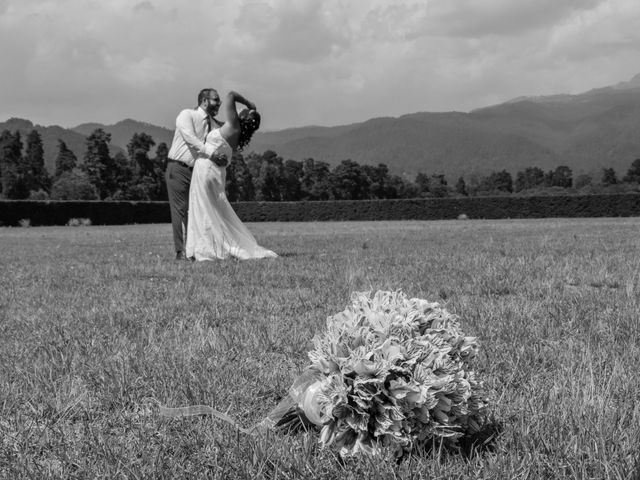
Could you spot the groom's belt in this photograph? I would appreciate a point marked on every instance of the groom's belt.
(171, 160)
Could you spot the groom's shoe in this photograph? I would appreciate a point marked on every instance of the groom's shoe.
(181, 256)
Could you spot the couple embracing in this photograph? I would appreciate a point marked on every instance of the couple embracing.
(196, 175)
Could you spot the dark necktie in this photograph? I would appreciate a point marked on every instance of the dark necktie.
(208, 129)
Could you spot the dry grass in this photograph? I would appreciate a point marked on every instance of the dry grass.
(99, 324)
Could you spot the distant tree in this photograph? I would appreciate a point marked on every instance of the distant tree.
(562, 176)
(139, 190)
(148, 181)
(269, 178)
(11, 166)
(231, 183)
(582, 181)
(36, 176)
(292, 180)
(142, 185)
(162, 156)
(159, 167)
(396, 186)
(403, 187)
(74, 185)
(239, 182)
(633, 174)
(530, 177)
(253, 161)
(98, 164)
(379, 181)
(375, 190)
(316, 180)
(66, 160)
(349, 182)
(461, 187)
(438, 186)
(422, 183)
(534, 177)
(138, 149)
(473, 184)
(495, 182)
(387, 186)
(609, 177)
(122, 176)
(123, 169)
(382, 184)
(520, 182)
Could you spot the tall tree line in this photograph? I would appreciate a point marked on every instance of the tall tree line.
(22, 172)
(139, 175)
(100, 176)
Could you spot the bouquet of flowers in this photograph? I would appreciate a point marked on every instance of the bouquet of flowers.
(388, 372)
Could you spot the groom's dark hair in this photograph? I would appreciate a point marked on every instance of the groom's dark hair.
(204, 93)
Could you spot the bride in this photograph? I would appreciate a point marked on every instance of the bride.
(214, 231)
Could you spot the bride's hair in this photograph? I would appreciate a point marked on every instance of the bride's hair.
(249, 123)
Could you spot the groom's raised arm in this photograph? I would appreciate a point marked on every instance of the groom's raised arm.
(184, 125)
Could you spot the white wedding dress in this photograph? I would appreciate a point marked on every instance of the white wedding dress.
(214, 231)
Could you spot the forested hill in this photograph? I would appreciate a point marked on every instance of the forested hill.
(589, 131)
(450, 143)
(122, 131)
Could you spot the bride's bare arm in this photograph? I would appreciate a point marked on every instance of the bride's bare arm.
(242, 100)
(231, 128)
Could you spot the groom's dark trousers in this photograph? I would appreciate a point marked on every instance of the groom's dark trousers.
(178, 178)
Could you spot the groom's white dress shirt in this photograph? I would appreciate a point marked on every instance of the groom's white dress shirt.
(188, 139)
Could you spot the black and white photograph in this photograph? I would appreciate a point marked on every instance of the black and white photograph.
(320, 239)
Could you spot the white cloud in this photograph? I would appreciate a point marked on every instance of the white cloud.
(143, 73)
(301, 31)
(470, 18)
(142, 6)
(304, 61)
(397, 22)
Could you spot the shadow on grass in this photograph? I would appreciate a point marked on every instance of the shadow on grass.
(288, 254)
(469, 446)
(482, 441)
(293, 422)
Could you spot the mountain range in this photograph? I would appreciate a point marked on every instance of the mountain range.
(587, 132)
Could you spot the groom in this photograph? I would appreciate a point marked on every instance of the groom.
(192, 126)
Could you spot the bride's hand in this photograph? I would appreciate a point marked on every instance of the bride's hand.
(219, 159)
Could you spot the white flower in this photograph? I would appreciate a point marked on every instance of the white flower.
(391, 371)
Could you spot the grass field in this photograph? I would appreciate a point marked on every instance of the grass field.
(99, 325)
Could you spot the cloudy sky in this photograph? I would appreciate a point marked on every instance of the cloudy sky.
(304, 62)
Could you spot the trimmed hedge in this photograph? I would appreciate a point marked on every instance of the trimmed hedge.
(52, 212)
(120, 213)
